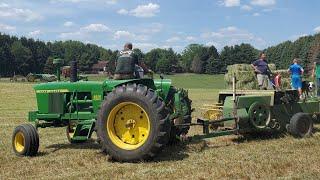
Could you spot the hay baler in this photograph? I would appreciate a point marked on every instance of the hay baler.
(249, 111)
(133, 119)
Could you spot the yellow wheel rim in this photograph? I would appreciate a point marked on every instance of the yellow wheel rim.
(128, 125)
(19, 142)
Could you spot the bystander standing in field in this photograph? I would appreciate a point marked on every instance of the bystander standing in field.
(262, 71)
(316, 74)
(296, 76)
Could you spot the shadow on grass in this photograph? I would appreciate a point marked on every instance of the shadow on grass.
(90, 144)
(40, 154)
(180, 150)
(258, 136)
(316, 129)
(173, 152)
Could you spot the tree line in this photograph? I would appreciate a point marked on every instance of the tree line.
(24, 55)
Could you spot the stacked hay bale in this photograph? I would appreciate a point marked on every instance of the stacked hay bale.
(246, 77)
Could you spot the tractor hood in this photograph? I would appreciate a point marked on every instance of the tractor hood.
(161, 86)
(57, 87)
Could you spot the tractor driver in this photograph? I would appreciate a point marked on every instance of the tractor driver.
(126, 64)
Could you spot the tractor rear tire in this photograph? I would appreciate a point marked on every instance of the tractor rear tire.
(301, 125)
(133, 123)
(25, 140)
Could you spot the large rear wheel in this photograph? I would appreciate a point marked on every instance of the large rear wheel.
(133, 123)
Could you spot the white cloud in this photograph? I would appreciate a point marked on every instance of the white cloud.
(111, 1)
(143, 11)
(6, 11)
(95, 28)
(230, 3)
(84, 32)
(191, 38)
(69, 1)
(256, 14)
(34, 33)
(151, 28)
(317, 29)
(68, 24)
(263, 2)
(246, 7)
(7, 28)
(4, 5)
(232, 35)
(123, 34)
(229, 29)
(123, 11)
(295, 37)
(212, 35)
(145, 46)
(173, 39)
(211, 43)
(148, 10)
(71, 35)
(267, 10)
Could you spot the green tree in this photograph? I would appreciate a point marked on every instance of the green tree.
(21, 55)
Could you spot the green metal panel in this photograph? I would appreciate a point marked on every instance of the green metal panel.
(309, 106)
(228, 107)
(48, 116)
(246, 101)
(56, 103)
(32, 116)
(43, 102)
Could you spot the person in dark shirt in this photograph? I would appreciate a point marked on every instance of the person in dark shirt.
(261, 68)
(126, 64)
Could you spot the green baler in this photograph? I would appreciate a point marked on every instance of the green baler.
(248, 111)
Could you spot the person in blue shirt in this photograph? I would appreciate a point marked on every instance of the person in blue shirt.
(296, 73)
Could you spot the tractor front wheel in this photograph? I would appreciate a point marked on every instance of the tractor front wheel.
(133, 123)
(301, 125)
(25, 140)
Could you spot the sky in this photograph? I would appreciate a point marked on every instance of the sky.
(162, 23)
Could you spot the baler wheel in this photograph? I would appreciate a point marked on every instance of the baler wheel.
(301, 125)
(259, 115)
(133, 123)
(25, 140)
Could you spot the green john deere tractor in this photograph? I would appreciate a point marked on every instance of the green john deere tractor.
(134, 119)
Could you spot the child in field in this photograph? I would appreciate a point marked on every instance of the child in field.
(277, 81)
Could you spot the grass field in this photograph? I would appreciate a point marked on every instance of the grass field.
(218, 158)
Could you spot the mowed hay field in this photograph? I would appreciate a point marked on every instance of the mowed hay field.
(233, 156)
